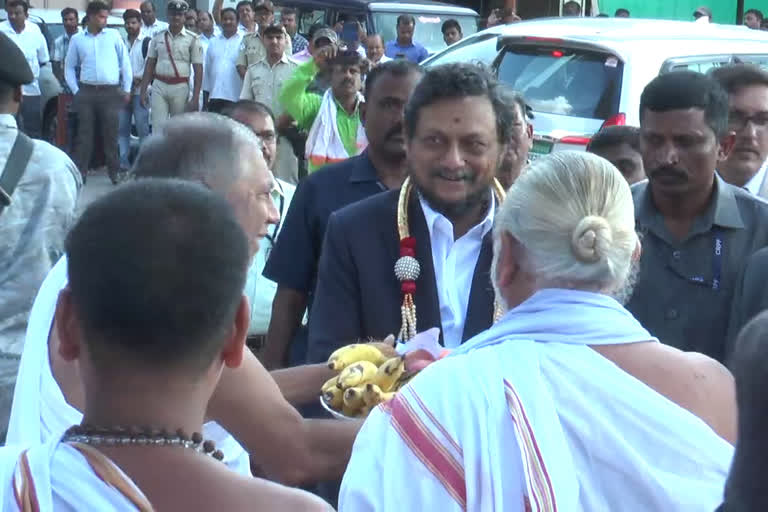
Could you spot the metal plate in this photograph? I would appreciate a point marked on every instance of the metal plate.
(336, 414)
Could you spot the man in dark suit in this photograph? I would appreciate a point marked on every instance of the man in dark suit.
(457, 127)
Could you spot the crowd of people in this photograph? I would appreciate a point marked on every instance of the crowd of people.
(602, 311)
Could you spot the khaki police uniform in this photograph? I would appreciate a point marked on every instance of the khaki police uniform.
(170, 89)
(252, 49)
(262, 83)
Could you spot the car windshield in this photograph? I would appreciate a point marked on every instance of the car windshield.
(480, 49)
(428, 30)
(565, 81)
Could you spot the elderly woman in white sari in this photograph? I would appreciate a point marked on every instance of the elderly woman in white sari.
(567, 403)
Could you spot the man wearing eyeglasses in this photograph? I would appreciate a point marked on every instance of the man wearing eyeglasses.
(747, 88)
(260, 290)
(698, 230)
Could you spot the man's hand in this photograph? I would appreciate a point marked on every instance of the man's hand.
(365, 66)
(284, 122)
(127, 98)
(325, 55)
(193, 105)
(145, 98)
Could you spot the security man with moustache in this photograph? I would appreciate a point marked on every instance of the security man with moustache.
(172, 55)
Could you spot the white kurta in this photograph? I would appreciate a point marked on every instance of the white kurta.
(40, 412)
(518, 423)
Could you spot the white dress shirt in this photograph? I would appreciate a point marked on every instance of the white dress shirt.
(754, 184)
(220, 77)
(137, 58)
(103, 60)
(454, 262)
(153, 29)
(35, 48)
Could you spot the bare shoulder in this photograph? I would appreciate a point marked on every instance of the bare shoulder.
(693, 381)
(279, 497)
(260, 494)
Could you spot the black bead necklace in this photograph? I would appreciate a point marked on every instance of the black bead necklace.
(138, 436)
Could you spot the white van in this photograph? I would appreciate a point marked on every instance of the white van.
(579, 74)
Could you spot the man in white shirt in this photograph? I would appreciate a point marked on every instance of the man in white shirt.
(747, 88)
(31, 41)
(263, 82)
(150, 26)
(260, 290)
(374, 50)
(221, 81)
(134, 110)
(103, 88)
(458, 124)
(69, 18)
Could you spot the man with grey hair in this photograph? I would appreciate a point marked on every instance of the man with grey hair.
(545, 407)
(249, 402)
(521, 141)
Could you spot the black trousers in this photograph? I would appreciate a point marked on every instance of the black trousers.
(98, 106)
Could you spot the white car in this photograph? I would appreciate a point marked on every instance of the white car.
(579, 74)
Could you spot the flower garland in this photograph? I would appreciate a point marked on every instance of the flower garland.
(407, 268)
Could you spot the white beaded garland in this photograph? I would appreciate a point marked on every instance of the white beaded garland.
(407, 268)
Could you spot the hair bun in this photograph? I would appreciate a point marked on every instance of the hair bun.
(589, 238)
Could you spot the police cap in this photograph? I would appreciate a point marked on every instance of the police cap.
(178, 6)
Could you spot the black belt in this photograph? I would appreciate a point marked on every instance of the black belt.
(100, 86)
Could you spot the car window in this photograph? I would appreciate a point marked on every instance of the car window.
(698, 64)
(428, 30)
(562, 80)
(480, 49)
(307, 18)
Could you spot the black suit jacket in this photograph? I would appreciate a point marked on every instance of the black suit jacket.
(358, 296)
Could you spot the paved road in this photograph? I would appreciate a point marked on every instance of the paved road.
(98, 184)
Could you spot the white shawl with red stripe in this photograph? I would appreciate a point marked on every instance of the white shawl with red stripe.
(324, 143)
(60, 477)
(41, 412)
(527, 417)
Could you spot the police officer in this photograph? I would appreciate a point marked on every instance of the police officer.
(252, 49)
(173, 54)
(38, 194)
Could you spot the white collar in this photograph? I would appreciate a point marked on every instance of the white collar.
(8, 121)
(432, 217)
(756, 181)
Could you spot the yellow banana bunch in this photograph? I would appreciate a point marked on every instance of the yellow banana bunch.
(334, 397)
(369, 374)
(356, 374)
(389, 373)
(345, 356)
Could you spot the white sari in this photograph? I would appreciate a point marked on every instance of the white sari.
(526, 416)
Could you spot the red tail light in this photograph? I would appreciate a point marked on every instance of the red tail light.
(575, 140)
(619, 119)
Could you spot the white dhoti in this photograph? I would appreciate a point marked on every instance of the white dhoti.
(60, 477)
(40, 412)
(526, 416)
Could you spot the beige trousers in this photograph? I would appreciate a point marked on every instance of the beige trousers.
(167, 101)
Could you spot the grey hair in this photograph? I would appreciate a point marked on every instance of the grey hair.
(203, 147)
(573, 214)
